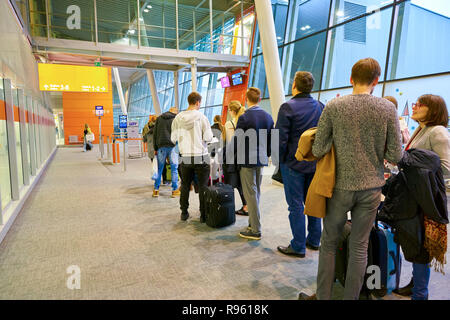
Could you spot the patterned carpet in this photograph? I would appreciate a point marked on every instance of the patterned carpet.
(129, 245)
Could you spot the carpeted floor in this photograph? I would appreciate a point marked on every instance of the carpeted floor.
(129, 245)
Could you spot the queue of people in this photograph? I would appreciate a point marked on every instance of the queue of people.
(364, 132)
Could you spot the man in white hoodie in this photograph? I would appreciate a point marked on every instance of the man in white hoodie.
(192, 130)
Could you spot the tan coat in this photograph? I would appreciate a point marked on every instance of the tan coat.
(322, 184)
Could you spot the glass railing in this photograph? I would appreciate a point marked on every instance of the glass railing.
(173, 24)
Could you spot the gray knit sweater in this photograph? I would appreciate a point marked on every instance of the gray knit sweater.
(365, 130)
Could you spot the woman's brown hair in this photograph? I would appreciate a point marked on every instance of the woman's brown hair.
(437, 114)
(236, 107)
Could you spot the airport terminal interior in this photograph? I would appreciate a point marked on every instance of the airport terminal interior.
(85, 224)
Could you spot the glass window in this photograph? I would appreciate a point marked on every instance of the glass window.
(344, 10)
(202, 88)
(407, 91)
(5, 180)
(307, 17)
(211, 112)
(342, 53)
(258, 73)
(18, 136)
(421, 36)
(304, 55)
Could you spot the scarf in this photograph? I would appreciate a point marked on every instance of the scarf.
(436, 243)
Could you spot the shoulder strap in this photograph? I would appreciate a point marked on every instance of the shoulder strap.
(234, 127)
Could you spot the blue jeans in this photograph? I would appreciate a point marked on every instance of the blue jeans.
(163, 153)
(296, 186)
(421, 277)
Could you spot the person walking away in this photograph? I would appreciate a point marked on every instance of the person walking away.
(231, 171)
(87, 145)
(218, 131)
(165, 148)
(256, 152)
(430, 111)
(192, 131)
(147, 137)
(296, 116)
(364, 130)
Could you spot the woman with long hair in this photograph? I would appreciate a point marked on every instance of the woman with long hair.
(87, 145)
(430, 111)
(231, 172)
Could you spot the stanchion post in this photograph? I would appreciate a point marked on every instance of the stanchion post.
(114, 152)
(118, 153)
(124, 157)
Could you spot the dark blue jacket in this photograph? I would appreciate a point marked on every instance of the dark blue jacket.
(256, 152)
(296, 116)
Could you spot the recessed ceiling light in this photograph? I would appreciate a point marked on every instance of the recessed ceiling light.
(145, 10)
(149, 6)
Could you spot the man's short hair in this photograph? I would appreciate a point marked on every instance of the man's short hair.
(365, 71)
(304, 81)
(194, 97)
(253, 94)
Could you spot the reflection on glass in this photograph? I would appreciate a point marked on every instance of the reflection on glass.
(422, 35)
(345, 48)
(307, 17)
(5, 182)
(345, 10)
(304, 55)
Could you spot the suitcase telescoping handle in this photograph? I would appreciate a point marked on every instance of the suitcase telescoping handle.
(396, 266)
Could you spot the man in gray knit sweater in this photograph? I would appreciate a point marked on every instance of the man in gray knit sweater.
(364, 130)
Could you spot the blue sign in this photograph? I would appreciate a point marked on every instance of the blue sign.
(99, 111)
(123, 121)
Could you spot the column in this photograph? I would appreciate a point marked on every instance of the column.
(123, 105)
(154, 91)
(176, 92)
(194, 74)
(270, 54)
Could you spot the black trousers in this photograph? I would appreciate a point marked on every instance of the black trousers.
(187, 168)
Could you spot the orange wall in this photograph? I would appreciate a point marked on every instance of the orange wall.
(79, 108)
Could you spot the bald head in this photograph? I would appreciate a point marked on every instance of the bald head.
(173, 110)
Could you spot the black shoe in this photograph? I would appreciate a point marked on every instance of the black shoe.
(311, 247)
(250, 235)
(304, 296)
(405, 291)
(184, 216)
(290, 252)
(241, 212)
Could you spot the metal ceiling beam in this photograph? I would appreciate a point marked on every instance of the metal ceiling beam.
(144, 54)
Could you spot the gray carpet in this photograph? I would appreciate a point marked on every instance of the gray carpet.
(129, 245)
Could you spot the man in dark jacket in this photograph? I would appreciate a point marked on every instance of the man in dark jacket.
(296, 116)
(253, 148)
(165, 148)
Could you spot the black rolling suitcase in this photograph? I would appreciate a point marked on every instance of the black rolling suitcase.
(342, 257)
(382, 252)
(219, 203)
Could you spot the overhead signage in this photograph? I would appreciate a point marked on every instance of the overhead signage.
(60, 77)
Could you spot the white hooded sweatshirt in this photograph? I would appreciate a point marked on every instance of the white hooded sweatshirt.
(191, 129)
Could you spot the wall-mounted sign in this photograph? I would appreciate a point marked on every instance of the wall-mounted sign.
(99, 111)
(59, 77)
(122, 121)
